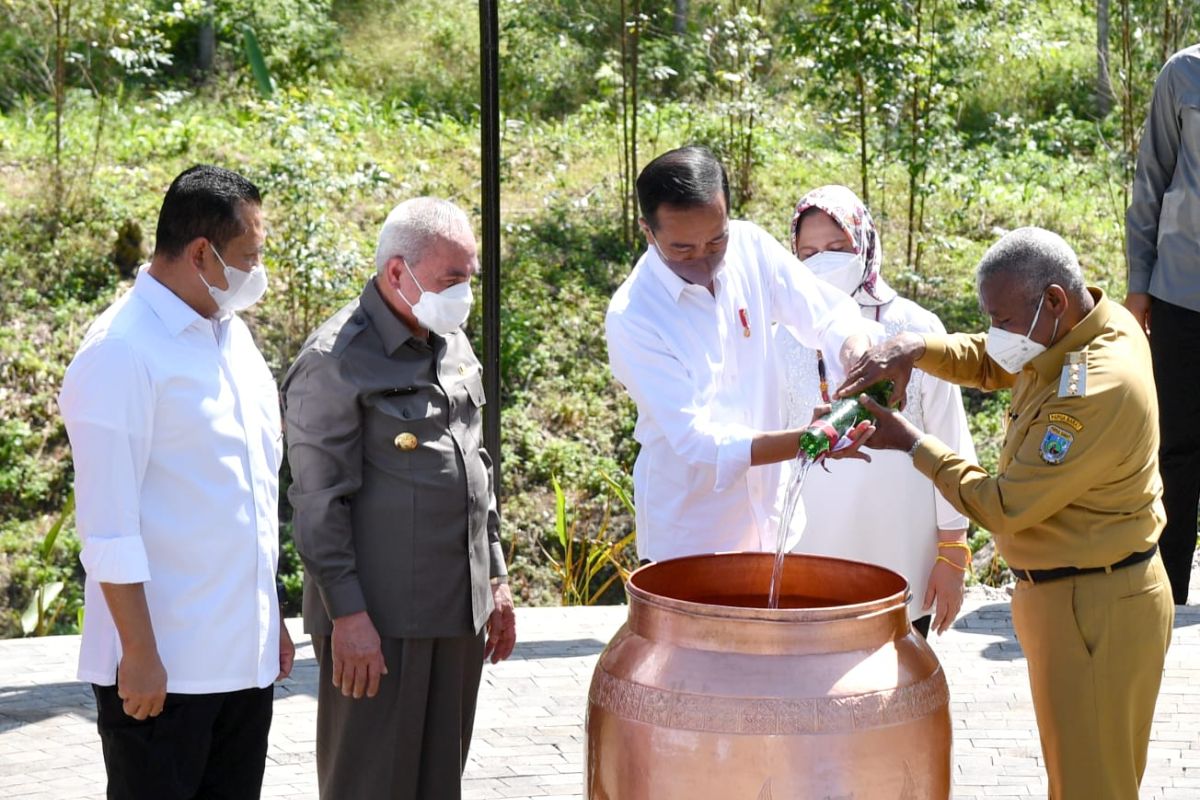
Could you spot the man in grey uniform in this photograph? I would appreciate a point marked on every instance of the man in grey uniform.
(1163, 242)
(395, 517)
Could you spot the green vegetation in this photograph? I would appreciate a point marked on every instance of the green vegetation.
(957, 118)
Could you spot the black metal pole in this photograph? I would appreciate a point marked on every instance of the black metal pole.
(489, 124)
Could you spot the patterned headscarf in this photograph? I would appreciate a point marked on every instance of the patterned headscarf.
(844, 207)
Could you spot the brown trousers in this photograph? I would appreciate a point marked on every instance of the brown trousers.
(1096, 645)
(410, 741)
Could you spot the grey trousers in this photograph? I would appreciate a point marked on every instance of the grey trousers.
(410, 741)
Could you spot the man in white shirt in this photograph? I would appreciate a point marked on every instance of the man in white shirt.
(175, 433)
(689, 336)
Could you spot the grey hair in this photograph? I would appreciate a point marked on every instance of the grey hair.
(414, 224)
(1034, 258)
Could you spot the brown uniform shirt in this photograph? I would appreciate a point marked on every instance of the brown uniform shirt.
(394, 508)
(1078, 477)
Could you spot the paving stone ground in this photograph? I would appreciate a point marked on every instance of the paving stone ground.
(528, 733)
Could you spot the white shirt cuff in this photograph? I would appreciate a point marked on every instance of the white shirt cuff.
(733, 457)
(117, 560)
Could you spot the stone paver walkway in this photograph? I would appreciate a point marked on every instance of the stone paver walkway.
(529, 737)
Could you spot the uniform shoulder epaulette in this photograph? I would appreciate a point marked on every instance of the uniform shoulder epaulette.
(1073, 381)
(346, 326)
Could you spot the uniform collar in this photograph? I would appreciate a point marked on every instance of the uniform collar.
(175, 315)
(391, 329)
(1049, 364)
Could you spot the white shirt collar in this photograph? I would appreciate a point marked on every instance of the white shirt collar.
(674, 284)
(175, 315)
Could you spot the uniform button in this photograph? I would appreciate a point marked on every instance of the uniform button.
(406, 413)
(405, 441)
(357, 319)
(462, 369)
(472, 498)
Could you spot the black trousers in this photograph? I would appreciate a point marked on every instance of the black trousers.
(201, 747)
(1175, 348)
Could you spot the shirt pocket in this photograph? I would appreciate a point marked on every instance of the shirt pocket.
(474, 387)
(407, 435)
(1180, 212)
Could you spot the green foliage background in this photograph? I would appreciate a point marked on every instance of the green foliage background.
(378, 101)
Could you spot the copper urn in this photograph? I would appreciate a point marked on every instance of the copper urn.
(705, 694)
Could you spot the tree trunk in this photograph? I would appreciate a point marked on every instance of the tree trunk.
(1129, 121)
(627, 212)
(862, 136)
(62, 21)
(1104, 90)
(205, 47)
(681, 17)
(914, 142)
(633, 111)
(1167, 38)
(206, 42)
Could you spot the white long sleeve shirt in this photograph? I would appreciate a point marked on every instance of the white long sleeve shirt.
(702, 370)
(175, 433)
(884, 512)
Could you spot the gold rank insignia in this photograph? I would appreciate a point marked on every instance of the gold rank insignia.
(1073, 382)
(1055, 444)
(405, 441)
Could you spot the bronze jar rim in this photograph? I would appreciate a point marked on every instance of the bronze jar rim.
(829, 604)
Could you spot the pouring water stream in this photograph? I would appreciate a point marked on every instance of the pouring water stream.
(790, 504)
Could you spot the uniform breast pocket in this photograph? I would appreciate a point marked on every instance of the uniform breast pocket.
(474, 387)
(1180, 212)
(407, 434)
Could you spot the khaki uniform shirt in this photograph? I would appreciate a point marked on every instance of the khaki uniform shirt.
(1078, 477)
(394, 508)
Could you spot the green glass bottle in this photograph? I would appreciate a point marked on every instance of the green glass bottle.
(846, 413)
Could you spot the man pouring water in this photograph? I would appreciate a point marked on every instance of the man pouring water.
(1076, 504)
(689, 336)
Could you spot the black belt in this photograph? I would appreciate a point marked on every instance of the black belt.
(1043, 575)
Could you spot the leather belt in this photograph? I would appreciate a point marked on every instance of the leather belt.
(1043, 575)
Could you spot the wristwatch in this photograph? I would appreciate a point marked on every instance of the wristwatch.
(912, 450)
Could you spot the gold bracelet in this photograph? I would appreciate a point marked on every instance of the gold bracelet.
(951, 563)
(970, 566)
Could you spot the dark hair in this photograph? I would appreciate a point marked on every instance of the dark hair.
(203, 202)
(686, 178)
(808, 212)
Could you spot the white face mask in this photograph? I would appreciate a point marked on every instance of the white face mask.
(244, 288)
(441, 312)
(1012, 351)
(842, 270)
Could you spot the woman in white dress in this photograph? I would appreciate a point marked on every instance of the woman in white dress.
(884, 512)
